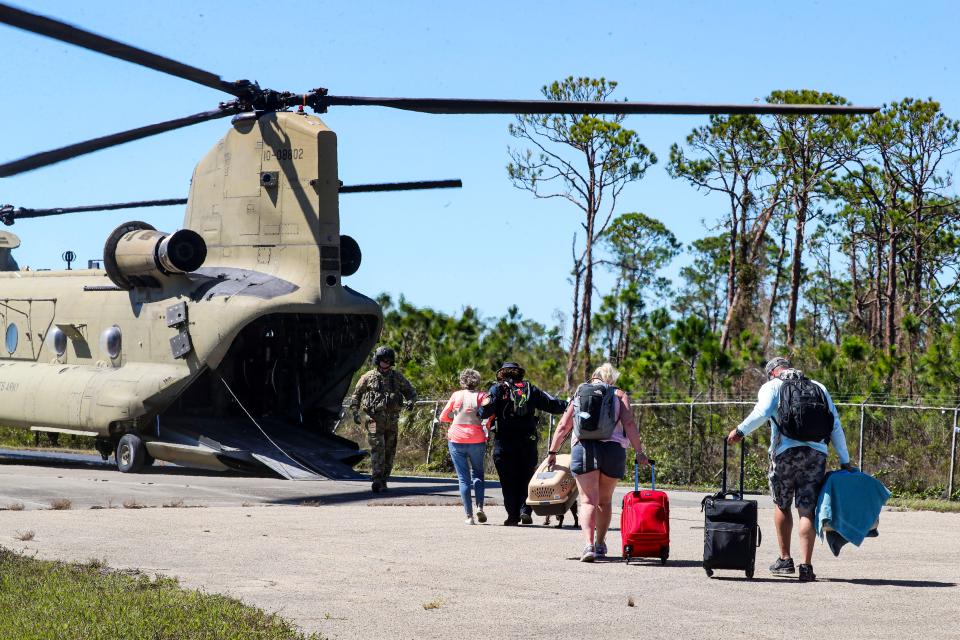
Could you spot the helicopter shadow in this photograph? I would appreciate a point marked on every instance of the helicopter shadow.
(426, 492)
(63, 460)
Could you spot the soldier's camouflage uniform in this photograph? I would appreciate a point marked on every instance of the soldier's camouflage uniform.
(380, 395)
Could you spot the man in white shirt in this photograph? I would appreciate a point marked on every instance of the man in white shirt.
(797, 467)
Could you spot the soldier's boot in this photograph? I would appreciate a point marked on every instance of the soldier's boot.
(376, 487)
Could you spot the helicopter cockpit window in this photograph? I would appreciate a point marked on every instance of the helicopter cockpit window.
(13, 336)
(110, 341)
(57, 340)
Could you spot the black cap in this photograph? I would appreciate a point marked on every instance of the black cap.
(512, 365)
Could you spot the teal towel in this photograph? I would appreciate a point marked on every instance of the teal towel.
(850, 503)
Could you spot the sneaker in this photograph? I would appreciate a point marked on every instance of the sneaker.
(526, 518)
(589, 554)
(600, 549)
(469, 520)
(807, 574)
(376, 487)
(782, 567)
(481, 516)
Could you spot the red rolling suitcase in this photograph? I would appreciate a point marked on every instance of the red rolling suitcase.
(645, 520)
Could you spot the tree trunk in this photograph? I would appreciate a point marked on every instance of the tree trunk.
(732, 260)
(890, 333)
(795, 273)
(878, 285)
(775, 288)
(917, 275)
(575, 325)
(587, 293)
(856, 302)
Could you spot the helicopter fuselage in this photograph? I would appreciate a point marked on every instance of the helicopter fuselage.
(264, 329)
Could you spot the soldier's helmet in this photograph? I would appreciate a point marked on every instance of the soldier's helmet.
(384, 354)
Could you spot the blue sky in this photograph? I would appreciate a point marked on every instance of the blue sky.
(445, 249)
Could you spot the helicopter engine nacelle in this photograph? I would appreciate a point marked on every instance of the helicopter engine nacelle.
(137, 255)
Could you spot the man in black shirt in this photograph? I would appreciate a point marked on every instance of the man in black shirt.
(513, 402)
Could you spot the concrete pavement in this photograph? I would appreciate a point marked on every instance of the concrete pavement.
(334, 558)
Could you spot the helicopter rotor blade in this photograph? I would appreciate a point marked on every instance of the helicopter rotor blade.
(53, 156)
(401, 186)
(74, 35)
(10, 214)
(483, 106)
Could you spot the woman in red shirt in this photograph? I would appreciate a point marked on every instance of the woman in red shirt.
(467, 441)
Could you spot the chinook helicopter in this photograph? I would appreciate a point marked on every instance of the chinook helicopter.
(231, 342)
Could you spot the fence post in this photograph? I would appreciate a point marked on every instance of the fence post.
(860, 448)
(690, 444)
(953, 455)
(433, 425)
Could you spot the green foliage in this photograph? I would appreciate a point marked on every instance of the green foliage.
(40, 599)
(25, 439)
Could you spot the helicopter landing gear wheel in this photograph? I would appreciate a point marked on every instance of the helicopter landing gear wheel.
(131, 455)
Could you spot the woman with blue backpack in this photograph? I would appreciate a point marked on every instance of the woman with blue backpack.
(602, 424)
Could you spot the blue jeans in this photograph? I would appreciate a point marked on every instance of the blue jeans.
(468, 461)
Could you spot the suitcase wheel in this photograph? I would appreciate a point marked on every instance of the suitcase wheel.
(627, 552)
(664, 554)
(749, 573)
(709, 572)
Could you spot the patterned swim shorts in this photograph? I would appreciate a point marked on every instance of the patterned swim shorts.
(797, 474)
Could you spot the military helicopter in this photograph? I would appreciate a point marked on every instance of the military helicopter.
(230, 343)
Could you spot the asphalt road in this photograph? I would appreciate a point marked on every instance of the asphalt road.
(335, 558)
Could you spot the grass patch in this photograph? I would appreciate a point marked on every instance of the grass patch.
(14, 438)
(131, 503)
(925, 504)
(24, 536)
(436, 603)
(15, 506)
(42, 599)
(60, 504)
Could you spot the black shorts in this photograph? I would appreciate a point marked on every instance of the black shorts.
(797, 474)
(589, 455)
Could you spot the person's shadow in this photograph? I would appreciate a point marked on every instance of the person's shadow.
(882, 582)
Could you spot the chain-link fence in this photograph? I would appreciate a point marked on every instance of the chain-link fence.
(911, 448)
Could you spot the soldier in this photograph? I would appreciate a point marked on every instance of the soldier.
(380, 394)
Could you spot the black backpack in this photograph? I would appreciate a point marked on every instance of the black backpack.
(594, 411)
(517, 403)
(803, 412)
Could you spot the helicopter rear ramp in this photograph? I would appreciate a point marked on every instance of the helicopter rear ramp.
(270, 445)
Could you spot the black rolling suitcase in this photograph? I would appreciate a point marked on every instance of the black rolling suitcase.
(730, 533)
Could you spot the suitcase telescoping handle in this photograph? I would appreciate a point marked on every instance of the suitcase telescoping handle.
(636, 473)
(743, 448)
